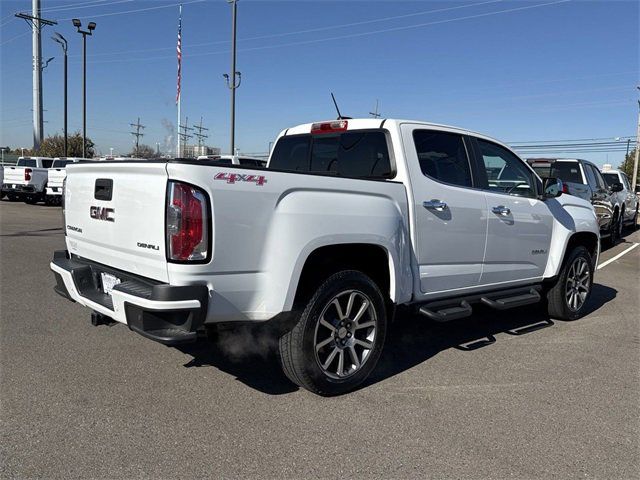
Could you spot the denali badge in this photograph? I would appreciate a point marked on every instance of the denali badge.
(148, 245)
(538, 252)
(237, 177)
(102, 213)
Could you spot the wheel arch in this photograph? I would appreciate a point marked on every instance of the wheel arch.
(372, 259)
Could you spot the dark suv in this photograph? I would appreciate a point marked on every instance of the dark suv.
(583, 179)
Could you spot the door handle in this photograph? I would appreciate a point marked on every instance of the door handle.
(435, 205)
(501, 210)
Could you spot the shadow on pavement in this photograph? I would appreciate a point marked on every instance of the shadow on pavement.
(249, 353)
(45, 232)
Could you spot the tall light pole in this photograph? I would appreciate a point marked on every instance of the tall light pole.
(91, 26)
(635, 160)
(63, 43)
(231, 82)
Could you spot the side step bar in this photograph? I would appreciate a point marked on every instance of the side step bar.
(456, 308)
(447, 314)
(514, 301)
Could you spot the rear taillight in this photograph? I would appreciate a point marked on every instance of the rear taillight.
(27, 174)
(565, 189)
(187, 223)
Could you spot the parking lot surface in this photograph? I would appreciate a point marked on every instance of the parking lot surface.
(501, 395)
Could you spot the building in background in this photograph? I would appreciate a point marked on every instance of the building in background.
(194, 151)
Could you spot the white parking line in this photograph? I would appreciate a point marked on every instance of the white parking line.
(604, 264)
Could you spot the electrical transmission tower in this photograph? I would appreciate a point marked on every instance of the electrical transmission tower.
(137, 133)
(201, 136)
(182, 133)
(37, 23)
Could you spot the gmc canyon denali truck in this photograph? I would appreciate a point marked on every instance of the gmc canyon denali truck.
(350, 219)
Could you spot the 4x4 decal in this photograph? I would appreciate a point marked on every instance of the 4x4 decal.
(237, 177)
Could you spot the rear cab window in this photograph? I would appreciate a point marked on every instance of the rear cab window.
(351, 154)
(60, 163)
(27, 162)
(47, 163)
(565, 171)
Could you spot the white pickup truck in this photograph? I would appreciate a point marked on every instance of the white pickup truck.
(349, 219)
(27, 180)
(57, 174)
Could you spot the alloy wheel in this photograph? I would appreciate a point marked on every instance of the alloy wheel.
(345, 334)
(578, 284)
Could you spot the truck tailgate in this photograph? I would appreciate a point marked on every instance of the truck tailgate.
(14, 175)
(56, 177)
(115, 215)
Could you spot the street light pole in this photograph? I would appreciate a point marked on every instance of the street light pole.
(63, 43)
(91, 26)
(231, 82)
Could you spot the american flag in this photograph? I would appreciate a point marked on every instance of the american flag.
(179, 52)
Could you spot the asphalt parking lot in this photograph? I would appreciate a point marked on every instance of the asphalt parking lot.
(504, 395)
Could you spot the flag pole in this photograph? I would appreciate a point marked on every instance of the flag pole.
(179, 86)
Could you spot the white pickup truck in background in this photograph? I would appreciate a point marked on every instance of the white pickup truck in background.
(56, 175)
(350, 219)
(27, 180)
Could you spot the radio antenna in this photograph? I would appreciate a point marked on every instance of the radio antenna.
(340, 117)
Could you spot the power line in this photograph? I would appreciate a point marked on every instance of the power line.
(137, 10)
(341, 37)
(76, 6)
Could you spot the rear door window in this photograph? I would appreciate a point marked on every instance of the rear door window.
(591, 179)
(443, 157)
(599, 180)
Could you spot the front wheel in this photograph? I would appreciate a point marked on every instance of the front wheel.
(339, 336)
(568, 297)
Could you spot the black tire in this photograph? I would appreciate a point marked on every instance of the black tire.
(31, 199)
(301, 355)
(559, 296)
(50, 200)
(13, 197)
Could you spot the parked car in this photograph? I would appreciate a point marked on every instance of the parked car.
(350, 219)
(56, 175)
(582, 178)
(27, 180)
(235, 160)
(626, 197)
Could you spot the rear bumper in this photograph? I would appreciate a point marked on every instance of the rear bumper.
(18, 188)
(164, 313)
(54, 191)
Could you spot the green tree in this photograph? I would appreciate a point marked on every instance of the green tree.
(144, 151)
(53, 146)
(627, 165)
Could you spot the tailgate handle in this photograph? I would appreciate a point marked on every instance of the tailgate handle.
(104, 189)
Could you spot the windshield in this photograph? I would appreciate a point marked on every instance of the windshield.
(565, 171)
(27, 162)
(61, 163)
(611, 178)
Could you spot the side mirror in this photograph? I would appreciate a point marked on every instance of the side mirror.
(617, 187)
(552, 187)
(638, 189)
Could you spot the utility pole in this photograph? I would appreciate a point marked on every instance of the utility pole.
(375, 113)
(635, 160)
(64, 44)
(201, 136)
(231, 82)
(137, 133)
(36, 23)
(91, 26)
(182, 133)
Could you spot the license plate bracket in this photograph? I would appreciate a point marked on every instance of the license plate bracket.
(108, 282)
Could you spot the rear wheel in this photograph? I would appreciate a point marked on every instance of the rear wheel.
(13, 197)
(567, 299)
(339, 336)
(32, 199)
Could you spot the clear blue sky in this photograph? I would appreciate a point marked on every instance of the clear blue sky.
(563, 70)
